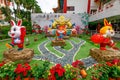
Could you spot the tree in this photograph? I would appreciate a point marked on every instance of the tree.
(7, 12)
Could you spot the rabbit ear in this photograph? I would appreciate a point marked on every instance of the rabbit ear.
(105, 22)
(12, 23)
(19, 22)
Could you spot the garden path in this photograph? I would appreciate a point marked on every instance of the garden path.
(68, 57)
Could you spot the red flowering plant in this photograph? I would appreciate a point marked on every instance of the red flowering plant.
(2, 63)
(57, 72)
(78, 64)
(41, 71)
(104, 70)
(22, 70)
(71, 72)
(7, 70)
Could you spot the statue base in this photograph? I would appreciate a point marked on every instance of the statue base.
(104, 55)
(58, 43)
(13, 55)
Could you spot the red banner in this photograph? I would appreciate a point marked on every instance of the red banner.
(65, 6)
(88, 7)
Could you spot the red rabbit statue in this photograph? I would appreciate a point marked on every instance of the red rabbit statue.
(104, 37)
(17, 34)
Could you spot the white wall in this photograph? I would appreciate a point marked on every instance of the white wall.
(93, 5)
(80, 5)
(112, 11)
(43, 20)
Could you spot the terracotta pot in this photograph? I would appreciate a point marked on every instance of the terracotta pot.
(118, 78)
(83, 73)
(112, 78)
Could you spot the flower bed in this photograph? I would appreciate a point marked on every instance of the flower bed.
(75, 71)
(18, 71)
(106, 71)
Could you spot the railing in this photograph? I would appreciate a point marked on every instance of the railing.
(108, 10)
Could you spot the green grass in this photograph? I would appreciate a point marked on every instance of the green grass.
(49, 47)
(118, 44)
(39, 62)
(33, 44)
(68, 46)
(3, 48)
(75, 39)
(84, 49)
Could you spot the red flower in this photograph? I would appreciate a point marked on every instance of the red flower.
(22, 69)
(109, 64)
(1, 64)
(57, 69)
(94, 65)
(115, 61)
(18, 78)
(77, 64)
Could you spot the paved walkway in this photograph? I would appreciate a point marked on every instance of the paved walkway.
(67, 58)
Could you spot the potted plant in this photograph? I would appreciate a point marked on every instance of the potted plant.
(22, 71)
(57, 72)
(80, 65)
(7, 71)
(41, 71)
(71, 73)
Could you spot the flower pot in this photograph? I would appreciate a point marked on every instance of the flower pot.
(83, 73)
(112, 78)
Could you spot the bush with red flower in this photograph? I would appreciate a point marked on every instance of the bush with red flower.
(57, 72)
(22, 70)
(78, 64)
(71, 72)
(2, 63)
(105, 70)
(7, 70)
(41, 71)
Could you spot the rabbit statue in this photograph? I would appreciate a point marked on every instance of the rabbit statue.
(104, 37)
(17, 34)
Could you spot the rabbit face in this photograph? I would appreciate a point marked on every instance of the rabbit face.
(107, 29)
(15, 32)
(110, 32)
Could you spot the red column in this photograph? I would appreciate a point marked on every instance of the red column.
(65, 6)
(88, 7)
